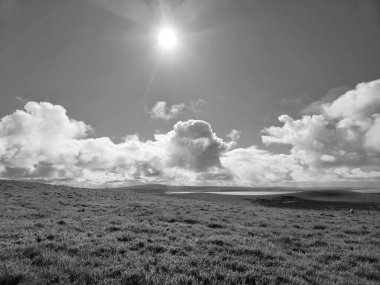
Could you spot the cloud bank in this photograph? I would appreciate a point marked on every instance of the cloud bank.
(344, 134)
(339, 143)
(42, 142)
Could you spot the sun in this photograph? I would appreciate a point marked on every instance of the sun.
(167, 38)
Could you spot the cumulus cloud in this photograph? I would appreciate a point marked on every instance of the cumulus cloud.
(234, 135)
(162, 111)
(339, 143)
(42, 142)
(344, 133)
(41, 131)
(254, 166)
(195, 146)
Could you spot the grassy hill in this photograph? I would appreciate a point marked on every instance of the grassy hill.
(61, 235)
(339, 196)
(324, 200)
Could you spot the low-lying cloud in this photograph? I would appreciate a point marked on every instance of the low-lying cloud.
(42, 142)
(338, 143)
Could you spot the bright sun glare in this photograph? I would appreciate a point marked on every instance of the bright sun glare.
(167, 39)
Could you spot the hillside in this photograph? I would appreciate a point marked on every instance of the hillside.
(61, 235)
(323, 199)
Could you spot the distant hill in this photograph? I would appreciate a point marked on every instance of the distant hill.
(322, 199)
(338, 196)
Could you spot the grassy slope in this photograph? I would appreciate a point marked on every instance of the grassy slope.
(55, 234)
(339, 195)
(323, 200)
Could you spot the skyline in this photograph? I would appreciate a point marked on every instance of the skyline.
(255, 94)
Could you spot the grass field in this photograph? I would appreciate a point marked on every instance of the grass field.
(60, 235)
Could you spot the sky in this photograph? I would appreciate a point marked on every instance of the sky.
(255, 93)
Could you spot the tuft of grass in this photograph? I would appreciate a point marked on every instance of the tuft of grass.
(50, 237)
(191, 221)
(319, 227)
(10, 277)
(328, 258)
(137, 246)
(125, 238)
(155, 248)
(114, 229)
(215, 226)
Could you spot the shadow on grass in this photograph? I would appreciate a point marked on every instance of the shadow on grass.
(304, 204)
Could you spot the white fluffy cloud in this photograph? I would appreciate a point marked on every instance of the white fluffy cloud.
(339, 143)
(194, 146)
(162, 111)
(234, 136)
(254, 166)
(41, 142)
(346, 132)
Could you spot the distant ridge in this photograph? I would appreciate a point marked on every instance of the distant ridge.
(338, 195)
